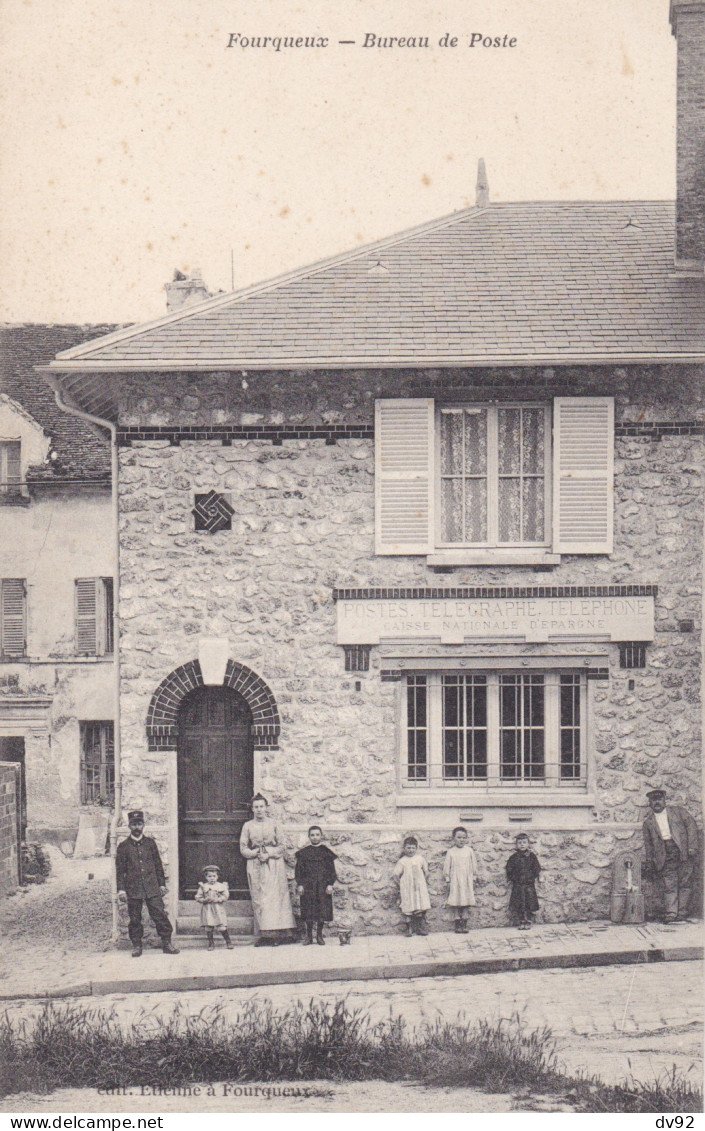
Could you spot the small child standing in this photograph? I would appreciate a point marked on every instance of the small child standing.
(523, 870)
(212, 894)
(315, 876)
(460, 870)
(412, 871)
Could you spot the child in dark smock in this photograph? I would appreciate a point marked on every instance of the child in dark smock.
(523, 870)
(315, 876)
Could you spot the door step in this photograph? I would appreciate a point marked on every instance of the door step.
(198, 941)
(191, 925)
(234, 907)
(238, 911)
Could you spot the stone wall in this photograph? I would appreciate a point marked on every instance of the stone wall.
(304, 525)
(9, 848)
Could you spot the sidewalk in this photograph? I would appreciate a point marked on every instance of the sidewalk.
(548, 946)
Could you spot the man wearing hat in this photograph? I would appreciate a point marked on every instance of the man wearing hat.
(670, 848)
(140, 877)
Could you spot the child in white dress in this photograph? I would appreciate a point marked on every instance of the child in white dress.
(460, 871)
(412, 871)
(212, 894)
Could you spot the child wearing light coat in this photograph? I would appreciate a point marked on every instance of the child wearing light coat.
(460, 872)
(212, 894)
(411, 871)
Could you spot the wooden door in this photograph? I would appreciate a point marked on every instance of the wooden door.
(215, 772)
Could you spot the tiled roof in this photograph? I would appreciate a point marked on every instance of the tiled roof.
(509, 283)
(83, 452)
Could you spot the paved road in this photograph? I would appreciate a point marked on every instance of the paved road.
(614, 1021)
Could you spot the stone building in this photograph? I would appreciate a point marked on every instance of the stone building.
(413, 538)
(57, 684)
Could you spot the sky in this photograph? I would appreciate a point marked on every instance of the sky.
(136, 141)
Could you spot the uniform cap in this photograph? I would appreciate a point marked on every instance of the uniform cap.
(135, 815)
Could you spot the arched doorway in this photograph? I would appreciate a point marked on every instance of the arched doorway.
(215, 776)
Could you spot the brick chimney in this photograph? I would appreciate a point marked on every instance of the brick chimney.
(688, 26)
(186, 290)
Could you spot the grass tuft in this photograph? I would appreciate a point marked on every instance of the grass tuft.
(70, 1046)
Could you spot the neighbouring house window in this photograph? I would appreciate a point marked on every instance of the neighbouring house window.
(97, 763)
(10, 467)
(493, 480)
(483, 482)
(496, 728)
(13, 617)
(94, 616)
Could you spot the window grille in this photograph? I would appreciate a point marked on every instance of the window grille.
(97, 763)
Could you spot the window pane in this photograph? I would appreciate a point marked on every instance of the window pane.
(475, 510)
(452, 766)
(570, 727)
(509, 429)
(509, 510)
(533, 507)
(532, 445)
(465, 727)
(476, 442)
(416, 713)
(452, 442)
(452, 510)
(522, 731)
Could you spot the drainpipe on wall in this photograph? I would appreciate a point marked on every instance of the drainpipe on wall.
(117, 810)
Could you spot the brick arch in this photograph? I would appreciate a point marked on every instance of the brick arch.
(162, 716)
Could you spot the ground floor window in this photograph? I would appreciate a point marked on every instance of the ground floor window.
(517, 728)
(97, 763)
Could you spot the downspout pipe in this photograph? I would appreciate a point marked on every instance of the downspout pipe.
(117, 810)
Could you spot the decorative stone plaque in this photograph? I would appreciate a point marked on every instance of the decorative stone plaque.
(212, 512)
(529, 620)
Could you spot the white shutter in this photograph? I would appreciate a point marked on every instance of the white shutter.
(86, 616)
(403, 476)
(10, 466)
(13, 616)
(583, 463)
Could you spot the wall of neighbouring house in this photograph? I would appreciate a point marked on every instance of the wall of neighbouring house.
(58, 536)
(304, 525)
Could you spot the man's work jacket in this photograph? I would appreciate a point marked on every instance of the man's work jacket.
(138, 867)
(683, 830)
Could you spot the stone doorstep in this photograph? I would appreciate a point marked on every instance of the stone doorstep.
(239, 915)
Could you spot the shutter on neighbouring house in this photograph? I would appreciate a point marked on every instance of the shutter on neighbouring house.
(10, 465)
(87, 616)
(13, 616)
(583, 461)
(403, 476)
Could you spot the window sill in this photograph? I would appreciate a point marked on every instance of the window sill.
(533, 557)
(531, 797)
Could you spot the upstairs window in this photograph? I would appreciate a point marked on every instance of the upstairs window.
(97, 763)
(496, 729)
(13, 617)
(493, 480)
(94, 616)
(10, 468)
(488, 480)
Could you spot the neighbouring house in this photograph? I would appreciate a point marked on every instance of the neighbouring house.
(57, 684)
(413, 538)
